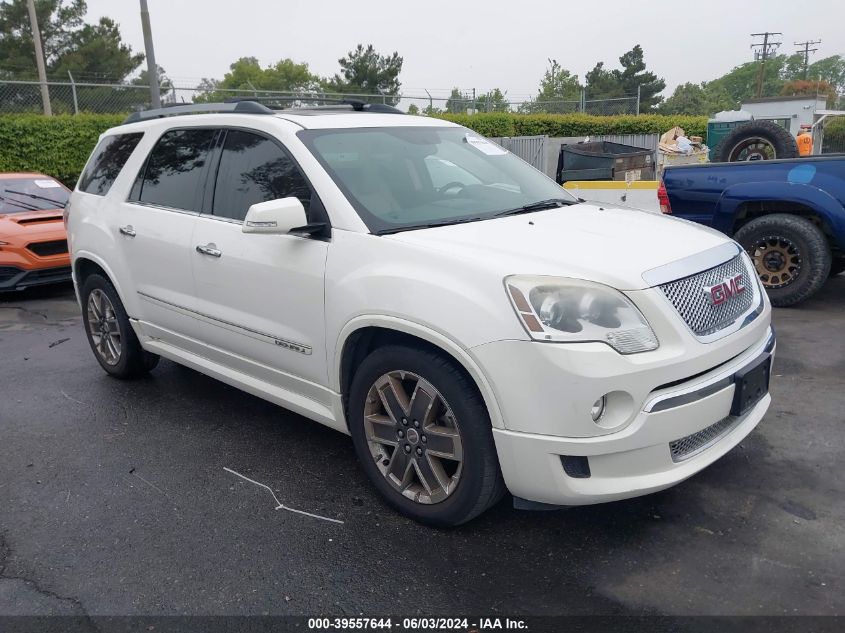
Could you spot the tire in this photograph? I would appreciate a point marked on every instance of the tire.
(124, 357)
(474, 483)
(837, 267)
(756, 140)
(791, 255)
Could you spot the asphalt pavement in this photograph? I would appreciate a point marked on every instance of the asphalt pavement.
(114, 501)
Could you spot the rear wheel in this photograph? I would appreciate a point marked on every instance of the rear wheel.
(112, 339)
(423, 435)
(790, 253)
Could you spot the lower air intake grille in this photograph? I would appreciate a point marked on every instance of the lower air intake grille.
(690, 445)
(7, 272)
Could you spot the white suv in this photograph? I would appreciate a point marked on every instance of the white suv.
(401, 279)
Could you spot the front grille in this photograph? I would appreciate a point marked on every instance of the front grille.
(694, 306)
(690, 445)
(46, 249)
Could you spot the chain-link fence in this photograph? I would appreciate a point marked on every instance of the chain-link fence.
(20, 96)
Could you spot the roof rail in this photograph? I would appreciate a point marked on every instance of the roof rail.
(247, 106)
(356, 105)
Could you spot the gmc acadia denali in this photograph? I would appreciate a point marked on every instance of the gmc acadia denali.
(470, 324)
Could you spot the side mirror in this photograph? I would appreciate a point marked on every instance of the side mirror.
(275, 217)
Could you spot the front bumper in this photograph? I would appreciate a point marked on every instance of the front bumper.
(656, 435)
(13, 278)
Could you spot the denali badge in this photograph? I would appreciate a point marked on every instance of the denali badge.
(727, 289)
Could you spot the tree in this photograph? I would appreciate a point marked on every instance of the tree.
(602, 83)
(634, 77)
(413, 109)
(458, 102)
(811, 88)
(741, 82)
(69, 43)
(246, 76)
(493, 101)
(700, 99)
(559, 91)
(365, 71)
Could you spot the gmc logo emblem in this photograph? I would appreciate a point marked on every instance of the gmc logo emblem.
(727, 289)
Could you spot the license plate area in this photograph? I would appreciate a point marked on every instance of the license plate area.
(751, 384)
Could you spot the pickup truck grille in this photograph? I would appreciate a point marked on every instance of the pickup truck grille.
(694, 305)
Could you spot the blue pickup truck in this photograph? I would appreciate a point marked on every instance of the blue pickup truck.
(788, 214)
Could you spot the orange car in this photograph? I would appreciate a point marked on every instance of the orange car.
(33, 242)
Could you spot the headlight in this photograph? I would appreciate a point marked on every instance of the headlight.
(562, 310)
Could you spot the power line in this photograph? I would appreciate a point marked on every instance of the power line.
(805, 50)
(766, 49)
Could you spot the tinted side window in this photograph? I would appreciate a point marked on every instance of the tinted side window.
(108, 159)
(254, 169)
(174, 170)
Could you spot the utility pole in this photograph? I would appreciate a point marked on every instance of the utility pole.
(805, 50)
(39, 58)
(152, 68)
(766, 50)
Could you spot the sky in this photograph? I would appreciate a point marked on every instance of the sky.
(482, 45)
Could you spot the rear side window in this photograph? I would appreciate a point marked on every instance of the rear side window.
(174, 172)
(108, 159)
(255, 169)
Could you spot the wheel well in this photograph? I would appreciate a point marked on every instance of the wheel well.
(748, 211)
(84, 268)
(363, 342)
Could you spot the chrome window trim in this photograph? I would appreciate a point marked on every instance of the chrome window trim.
(692, 265)
(714, 384)
(161, 207)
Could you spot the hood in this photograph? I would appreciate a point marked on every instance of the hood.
(607, 244)
(32, 225)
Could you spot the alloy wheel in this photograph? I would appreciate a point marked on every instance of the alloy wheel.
(103, 327)
(777, 260)
(413, 437)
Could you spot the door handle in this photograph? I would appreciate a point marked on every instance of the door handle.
(209, 249)
(127, 230)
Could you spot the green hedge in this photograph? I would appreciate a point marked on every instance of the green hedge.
(508, 124)
(60, 145)
(57, 146)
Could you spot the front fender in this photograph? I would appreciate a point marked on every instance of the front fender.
(824, 204)
(439, 339)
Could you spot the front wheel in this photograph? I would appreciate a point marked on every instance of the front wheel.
(423, 436)
(791, 255)
(112, 339)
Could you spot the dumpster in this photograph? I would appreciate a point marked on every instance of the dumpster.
(604, 160)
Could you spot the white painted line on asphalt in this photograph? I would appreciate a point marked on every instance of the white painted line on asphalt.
(280, 505)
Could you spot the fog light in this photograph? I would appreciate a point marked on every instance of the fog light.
(597, 411)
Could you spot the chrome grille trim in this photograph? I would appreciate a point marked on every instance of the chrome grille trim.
(689, 299)
(691, 445)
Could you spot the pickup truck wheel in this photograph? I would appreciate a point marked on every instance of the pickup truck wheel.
(109, 332)
(756, 140)
(791, 255)
(423, 435)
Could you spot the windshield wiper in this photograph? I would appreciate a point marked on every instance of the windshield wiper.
(551, 203)
(37, 197)
(22, 205)
(430, 225)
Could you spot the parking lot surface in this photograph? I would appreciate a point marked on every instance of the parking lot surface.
(114, 500)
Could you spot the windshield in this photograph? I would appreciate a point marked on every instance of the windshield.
(400, 178)
(20, 195)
